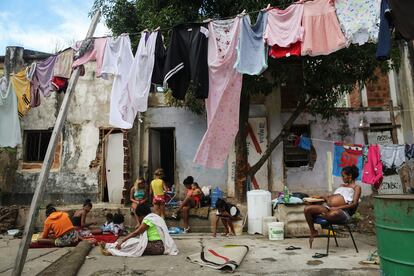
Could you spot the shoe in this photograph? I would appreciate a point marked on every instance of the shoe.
(174, 215)
(186, 230)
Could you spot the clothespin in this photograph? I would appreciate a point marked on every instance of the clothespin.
(157, 29)
(267, 8)
(243, 13)
(145, 31)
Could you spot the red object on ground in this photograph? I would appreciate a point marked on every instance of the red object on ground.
(107, 238)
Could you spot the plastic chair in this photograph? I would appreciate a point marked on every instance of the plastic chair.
(325, 224)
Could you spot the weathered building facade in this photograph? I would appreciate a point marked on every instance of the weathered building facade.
(93, 160)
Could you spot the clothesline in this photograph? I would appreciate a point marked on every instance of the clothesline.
(207, 20)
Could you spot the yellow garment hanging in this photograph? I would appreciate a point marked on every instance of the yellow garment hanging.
(21, 86)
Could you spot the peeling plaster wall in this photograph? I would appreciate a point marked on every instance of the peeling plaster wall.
(89, 110)
(344, 128)
(189, 130)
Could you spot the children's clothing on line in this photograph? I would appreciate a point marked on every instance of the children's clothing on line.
(323, 34)
(223, 103)
(186, 60)
(359, 19)
(284, 26)
(282, 52)
(305, 143)
(30, 75)
(63, 64)
(96, 53)
(21, 86)
(251, 49)
(59, 84)
(117, 61)
(392, 155)
(134, 97)
(372, 173)
(347, 155)
(409, 151)
(10, 134)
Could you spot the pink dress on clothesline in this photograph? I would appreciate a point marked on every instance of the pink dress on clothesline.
(323, 34)
(223, 103)
(284, 26)
(97, 54)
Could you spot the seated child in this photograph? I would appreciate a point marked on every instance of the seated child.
(106, 227)
(227, 213)
(115, 226)
(196, 194)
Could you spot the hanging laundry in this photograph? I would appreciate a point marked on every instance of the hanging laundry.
(359, 20)
(223, 103)
(409, 151)
(94, 54)
(63, 64)
(385, 30)
(30, 71)
(117, 61)
(402, 17)
(323, 34)
(187, 60)
(284, 30)
(372, 173)
(251, 49)
(59, 84)
(134, 97)
(159, 63)
(41, 81)
(30, 75)
(282, 52)
(305, 143)
(392, 157)
(10, 134)
(21, 87)
(347, 155)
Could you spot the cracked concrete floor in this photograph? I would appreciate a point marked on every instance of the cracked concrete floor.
(264, 258)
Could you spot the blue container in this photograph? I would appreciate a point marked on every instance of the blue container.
(216, 194)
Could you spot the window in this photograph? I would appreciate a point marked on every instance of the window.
(294, 156)
(36, 142)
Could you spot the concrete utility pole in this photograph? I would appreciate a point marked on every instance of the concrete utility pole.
(47, 163)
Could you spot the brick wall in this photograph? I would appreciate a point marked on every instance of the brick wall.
(378, 91)
(355, 98)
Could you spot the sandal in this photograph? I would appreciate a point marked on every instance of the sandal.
(186, 230)
(319, 255)
(292, 248)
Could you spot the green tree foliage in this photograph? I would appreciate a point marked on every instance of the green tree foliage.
(324, 79)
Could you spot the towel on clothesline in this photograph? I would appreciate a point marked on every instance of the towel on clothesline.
(347, 155)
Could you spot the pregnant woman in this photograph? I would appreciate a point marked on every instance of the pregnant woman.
(338, 207)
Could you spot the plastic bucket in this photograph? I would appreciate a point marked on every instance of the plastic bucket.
(265, 224)
(238, 227)
(276, 231)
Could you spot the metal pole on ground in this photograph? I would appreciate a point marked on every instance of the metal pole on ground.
(47, 163)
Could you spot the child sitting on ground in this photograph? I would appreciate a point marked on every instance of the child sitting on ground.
(114, 224)
(227, 213)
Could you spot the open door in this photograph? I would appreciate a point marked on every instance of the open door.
(115, 167)
(162, 153)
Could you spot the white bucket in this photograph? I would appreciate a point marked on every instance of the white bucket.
(276, 231)
(265, 224)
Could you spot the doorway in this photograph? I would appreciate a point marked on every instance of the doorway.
(162, 153)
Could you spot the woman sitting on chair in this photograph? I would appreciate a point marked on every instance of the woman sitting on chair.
(339, 206)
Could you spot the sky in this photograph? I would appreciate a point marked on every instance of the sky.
(45, 25)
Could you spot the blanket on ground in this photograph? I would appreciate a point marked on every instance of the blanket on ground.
(135, 247)
(227, 257)
(95, 239)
